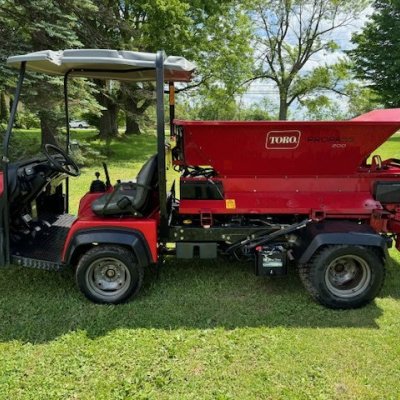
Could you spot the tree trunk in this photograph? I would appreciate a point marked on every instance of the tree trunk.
(132, 126)
(113, 110)
(283, 105)
(4, 114)
(108, 124)
(48, 129)
(135, 103)
(104, 124)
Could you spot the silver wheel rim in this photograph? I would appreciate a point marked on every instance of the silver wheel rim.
(108, 278)
(347, 276)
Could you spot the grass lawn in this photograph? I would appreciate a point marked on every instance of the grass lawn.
(201, 330)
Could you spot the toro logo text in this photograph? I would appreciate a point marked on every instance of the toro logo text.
(282, 139)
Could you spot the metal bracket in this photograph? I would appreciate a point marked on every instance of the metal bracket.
(206, 219)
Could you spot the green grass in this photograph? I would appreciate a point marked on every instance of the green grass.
(199, 330)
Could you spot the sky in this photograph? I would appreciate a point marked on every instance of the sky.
(266, 90)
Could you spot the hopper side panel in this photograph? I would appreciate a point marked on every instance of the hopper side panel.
(283, 148)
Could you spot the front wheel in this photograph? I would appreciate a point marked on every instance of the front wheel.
(109, 274)
(344, 276)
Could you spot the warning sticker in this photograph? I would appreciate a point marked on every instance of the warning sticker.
(230, 203)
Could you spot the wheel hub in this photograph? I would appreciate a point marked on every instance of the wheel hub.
(108, 276)
(110, 273)
(339, 268)
(347, 276)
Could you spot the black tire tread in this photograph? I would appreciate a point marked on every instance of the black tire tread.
(124, 253)
(307, 271)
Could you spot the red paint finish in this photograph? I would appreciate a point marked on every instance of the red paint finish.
(380, 116)
(87, 220)
(335, 196)
(1, 183)
(332, 204)
(285, 167)
(85, 205)
(286, 147)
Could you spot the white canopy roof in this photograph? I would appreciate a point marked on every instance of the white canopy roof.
(105, 64)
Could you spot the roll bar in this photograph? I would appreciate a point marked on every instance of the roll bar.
(5, 161)
(44, 62)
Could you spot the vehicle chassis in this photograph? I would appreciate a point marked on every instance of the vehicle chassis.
(269, 192)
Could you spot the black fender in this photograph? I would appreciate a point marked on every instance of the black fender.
(123, 237)
(339, 233)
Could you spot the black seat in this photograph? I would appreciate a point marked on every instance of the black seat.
(130, 197)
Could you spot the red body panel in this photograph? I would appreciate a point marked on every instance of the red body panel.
(87, 220)
(349, 195)
(1, 183)
(291, 167)
(286, 147)
(331, 204)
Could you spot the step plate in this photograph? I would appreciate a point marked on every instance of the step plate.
(37, 264)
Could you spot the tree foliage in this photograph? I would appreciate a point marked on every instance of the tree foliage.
(200, 30)
(4, 108)
(288, 34)
(40, 25)
(377, 52)
(220, 36)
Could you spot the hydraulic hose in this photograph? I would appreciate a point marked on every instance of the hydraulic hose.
(253, 243)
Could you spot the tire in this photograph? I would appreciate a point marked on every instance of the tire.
(345, 276)
(109, 274)
(80, 126)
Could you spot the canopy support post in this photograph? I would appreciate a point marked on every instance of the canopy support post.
(66, 108)
(5, 226)
(171, 107)
(162, 179)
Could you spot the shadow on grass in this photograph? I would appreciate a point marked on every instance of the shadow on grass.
(395, 138)
(39, 306)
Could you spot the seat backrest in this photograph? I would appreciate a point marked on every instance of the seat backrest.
(146, 179)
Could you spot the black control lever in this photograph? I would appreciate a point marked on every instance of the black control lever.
(108, 182)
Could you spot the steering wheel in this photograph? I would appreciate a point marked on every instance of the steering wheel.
(65, 165)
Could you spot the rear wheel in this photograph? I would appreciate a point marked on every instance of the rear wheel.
(344, 276)
(109, 274)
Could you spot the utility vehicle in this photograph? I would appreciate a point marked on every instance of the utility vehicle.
(280, 194)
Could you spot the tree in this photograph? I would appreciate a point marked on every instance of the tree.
(4, 109)
(136, 100)
(288, 33)
(40, 25)
(214, 105)
(354, 98)
(224, 57)
(361, 99)
(201, 30)
(377, 52)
